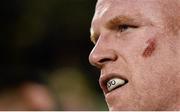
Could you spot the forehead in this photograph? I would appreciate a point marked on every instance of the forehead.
(124, 5)
(152, 9)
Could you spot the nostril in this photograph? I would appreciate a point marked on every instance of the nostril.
(104, 60)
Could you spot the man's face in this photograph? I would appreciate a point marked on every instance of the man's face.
(137, 49)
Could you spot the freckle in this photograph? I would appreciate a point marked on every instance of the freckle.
(150, 48)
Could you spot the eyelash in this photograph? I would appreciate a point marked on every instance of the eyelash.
(125, 27)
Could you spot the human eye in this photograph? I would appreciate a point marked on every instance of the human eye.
(125, 27)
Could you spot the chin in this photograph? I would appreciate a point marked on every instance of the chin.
(125, 107)
(119, 108)
(133, 108)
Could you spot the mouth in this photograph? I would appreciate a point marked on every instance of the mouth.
(111, 82)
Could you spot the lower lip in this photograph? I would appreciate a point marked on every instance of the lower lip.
(118, 91)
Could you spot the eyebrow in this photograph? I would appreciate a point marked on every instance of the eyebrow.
(118, 20)
(93, 36)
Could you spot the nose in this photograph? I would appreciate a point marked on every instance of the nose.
(102, 55)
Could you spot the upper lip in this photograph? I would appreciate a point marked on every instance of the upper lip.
(106, 77)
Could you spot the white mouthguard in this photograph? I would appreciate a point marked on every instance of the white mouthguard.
(114, 83)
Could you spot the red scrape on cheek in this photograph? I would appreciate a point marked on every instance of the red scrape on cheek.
(150, 48)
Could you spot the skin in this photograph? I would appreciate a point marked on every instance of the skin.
(139, 40)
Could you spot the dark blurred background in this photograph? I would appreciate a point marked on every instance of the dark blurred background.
(44, 47)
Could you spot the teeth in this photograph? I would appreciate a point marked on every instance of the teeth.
(115, 82)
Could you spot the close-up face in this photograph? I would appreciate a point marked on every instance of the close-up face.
(137, 49)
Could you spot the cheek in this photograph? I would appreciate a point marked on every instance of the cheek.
(149, 50)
